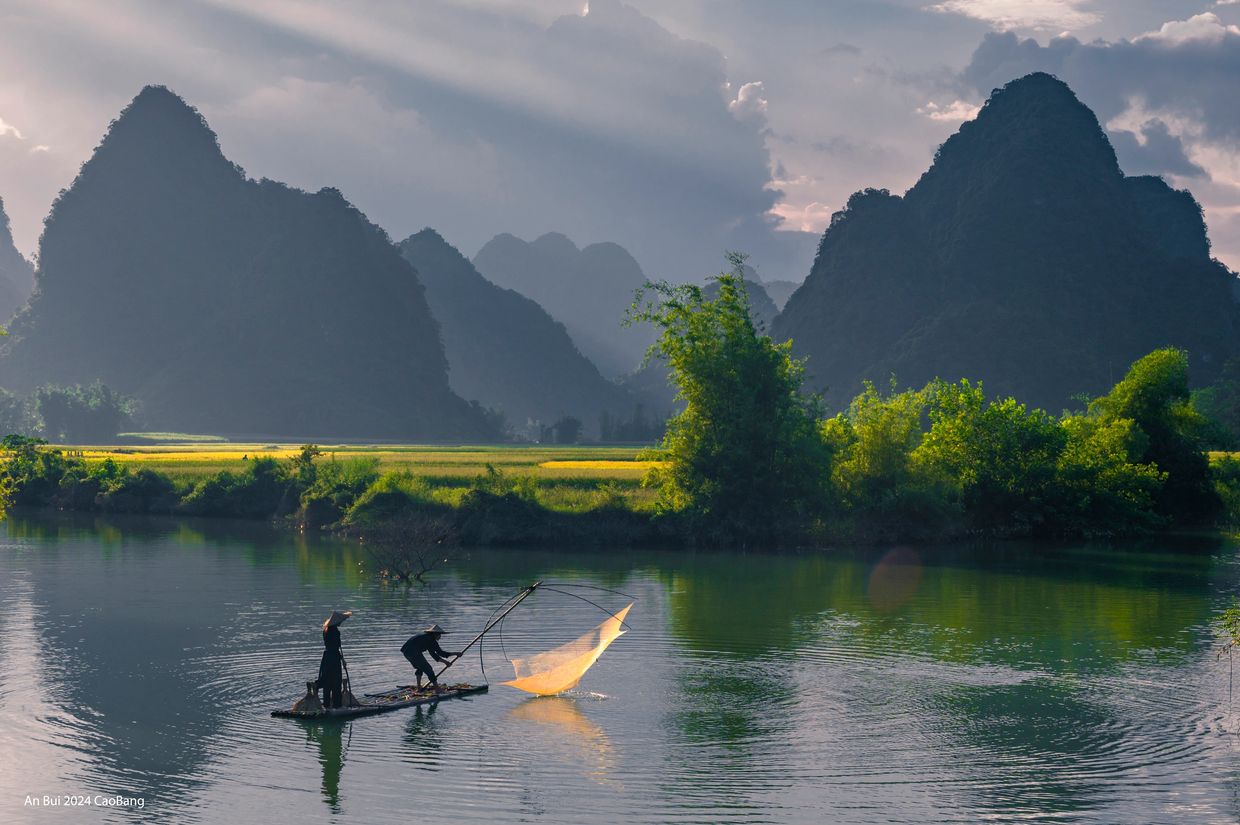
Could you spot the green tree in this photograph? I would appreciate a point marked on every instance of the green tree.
(1155, 396)
(1100, 488)
(745, 459)
(82, 415)
(305, 471)
(1003, 456)
(16, 414)
(882, 490)
(1220, 404)
(567, 430)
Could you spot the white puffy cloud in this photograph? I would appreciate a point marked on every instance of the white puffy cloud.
(9, 130)
(810, 217)
(1049, 15)
(1205, 27)
(957, 111)
(749, 102)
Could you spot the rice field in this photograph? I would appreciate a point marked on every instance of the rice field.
(543, 462)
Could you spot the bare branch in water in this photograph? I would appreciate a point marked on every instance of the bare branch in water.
(409, 547)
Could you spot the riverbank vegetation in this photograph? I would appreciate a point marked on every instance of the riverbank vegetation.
(752, 459)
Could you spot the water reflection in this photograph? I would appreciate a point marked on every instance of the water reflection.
(424, 740)
(1002, 682)
(560, 719)
(332, 745)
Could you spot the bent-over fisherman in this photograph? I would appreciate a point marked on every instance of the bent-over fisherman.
(426, 642)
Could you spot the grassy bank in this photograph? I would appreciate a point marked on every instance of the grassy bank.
(484, 494)
(493, 495)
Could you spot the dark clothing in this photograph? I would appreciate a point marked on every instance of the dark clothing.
(414, 650)
(331, 669)
(333, 695)
(420, 665)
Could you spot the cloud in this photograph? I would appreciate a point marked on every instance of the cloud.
(850, 49)
(957, 111)
(749, 102)
(11, 131)
(323, 125)
(1205, 27)
(1005, 15)
(1191, 79)
(1153, 150)
(474, 118)
(1168, 97)
(8, 130)
(810, 217)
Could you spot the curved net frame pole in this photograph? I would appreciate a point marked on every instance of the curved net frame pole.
(525, 594)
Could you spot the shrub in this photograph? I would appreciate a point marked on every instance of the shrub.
(1155, 396)
(144, 491)
(1100, 489)
(1003, 456)
(744, 459)
(882, 491)
(263, 490)
(82, 415)
(390, 496)
(337, 486)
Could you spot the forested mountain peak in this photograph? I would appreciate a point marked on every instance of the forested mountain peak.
(226, 304)
(159, 132)
(1022, 257)
(1033, 125)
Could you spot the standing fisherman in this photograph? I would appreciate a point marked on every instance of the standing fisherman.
(426, 642)
(331, 668)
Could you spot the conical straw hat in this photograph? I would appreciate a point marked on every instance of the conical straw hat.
(336, 618)
(434, 629)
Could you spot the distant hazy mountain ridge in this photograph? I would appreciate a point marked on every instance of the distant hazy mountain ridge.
(780, 291)
(16, 274)
(226, 304)
(588, 290)
(503, 348)
(1022, 257)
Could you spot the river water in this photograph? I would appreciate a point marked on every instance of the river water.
(1078, 683)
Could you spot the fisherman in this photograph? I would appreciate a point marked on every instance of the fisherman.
(426, 642)
(331, 668)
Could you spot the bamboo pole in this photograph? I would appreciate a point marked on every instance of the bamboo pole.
(524, 595)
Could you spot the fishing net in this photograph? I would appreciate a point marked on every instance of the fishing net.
(561, 669)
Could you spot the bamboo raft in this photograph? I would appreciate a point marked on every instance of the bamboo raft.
(402, 696)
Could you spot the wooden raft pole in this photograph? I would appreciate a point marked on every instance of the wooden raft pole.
(525, 594)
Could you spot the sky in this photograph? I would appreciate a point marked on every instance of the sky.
(677, 129)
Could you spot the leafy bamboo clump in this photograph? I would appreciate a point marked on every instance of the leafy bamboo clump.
(745, 457)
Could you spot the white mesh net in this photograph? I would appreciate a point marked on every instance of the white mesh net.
(561, 669)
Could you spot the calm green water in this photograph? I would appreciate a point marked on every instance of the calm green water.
(1068, 684)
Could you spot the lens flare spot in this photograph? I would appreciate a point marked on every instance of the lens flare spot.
(895, 579)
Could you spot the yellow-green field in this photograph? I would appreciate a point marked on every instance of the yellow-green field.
(540, 461)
